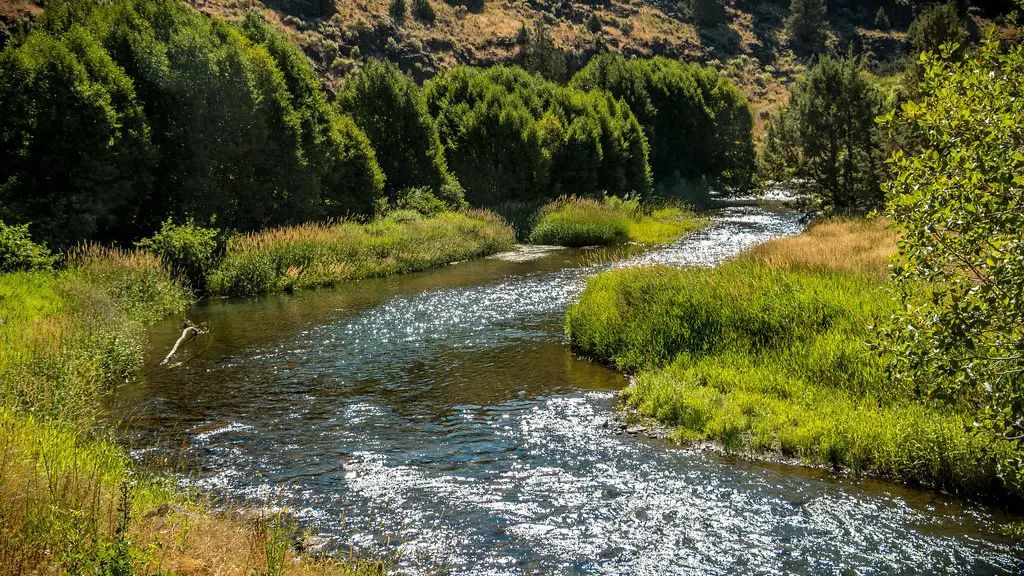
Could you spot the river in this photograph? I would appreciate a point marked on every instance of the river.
(441, 417)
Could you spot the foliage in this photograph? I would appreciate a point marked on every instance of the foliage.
(422, 10)
(807, 24)
(19, 253)
(513, 136)
(117, 115)
(708, 12)
(420, 200)
(313, 255)
(577, 222)
(594, 23)
(392, 111)
(936, 26)
(766, 360)
(396, 9)
(825, 142)
(539, 54)
(698, 123)
(957, 206)
(188, 250)
(882, 19)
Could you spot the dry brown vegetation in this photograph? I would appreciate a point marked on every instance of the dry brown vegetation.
(846, 245)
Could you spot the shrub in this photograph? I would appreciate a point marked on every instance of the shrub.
(708, 12)
(594, 24)
(420, 200)
(188, 250)
(422, 10)
(938, 25)
(882, 19)
(392, 111)
(396, 9)
(807, 23)
(19, 253)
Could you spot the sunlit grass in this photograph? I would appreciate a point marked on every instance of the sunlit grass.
(577, 222)
(317, 255)
(853, 245)
(773, 358)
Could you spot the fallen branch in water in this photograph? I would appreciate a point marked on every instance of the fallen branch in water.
(188, 333)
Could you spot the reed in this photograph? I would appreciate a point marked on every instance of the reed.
(318, 255)
(578, 222)
(849, 245)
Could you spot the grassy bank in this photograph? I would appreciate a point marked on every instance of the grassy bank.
(317, 255)
(767, 355)
(577, 222)
(71, 501)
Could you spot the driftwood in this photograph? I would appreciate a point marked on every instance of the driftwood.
(188, 333)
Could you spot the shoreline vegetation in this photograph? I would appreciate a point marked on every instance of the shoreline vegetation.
(71, 496)
(579, 222)
(769, 354)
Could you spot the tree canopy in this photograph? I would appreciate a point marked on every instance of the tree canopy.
(698, 123)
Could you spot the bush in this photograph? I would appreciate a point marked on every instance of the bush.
(422, 10)
(882, 19)
(938, 25)
(422, 201)
(188, 250)
(513, 136)
(19, 253)
(577, 222)
(594, 24)
(708, 13)
(396, 9)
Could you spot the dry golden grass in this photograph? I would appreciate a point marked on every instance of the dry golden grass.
(847, 245)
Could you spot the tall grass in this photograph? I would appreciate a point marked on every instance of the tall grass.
(70, 499)
(577, 222)
(316, 255)
(767, 359)
(849, 245)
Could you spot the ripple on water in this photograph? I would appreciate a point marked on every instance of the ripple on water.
(452, 425)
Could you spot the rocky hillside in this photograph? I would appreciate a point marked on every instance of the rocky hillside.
(746, 41)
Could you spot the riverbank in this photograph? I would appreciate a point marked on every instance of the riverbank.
(70, 498)
(321, 255)
(577, 222)
(767, 355)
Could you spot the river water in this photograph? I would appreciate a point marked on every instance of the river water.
(440, 417)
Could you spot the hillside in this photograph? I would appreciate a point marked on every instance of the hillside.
(748, 43)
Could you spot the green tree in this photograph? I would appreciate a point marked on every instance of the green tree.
(698, 124)
(807, 24)
(936, 26)
(74, 139)
(18, 252)
(392, 111)
(825, 142)
(396, 9)
(957, 206)
(882, 19)
(540, 54)
(422, 10)
(708, 13)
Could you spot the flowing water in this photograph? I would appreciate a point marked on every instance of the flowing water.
(440, 416)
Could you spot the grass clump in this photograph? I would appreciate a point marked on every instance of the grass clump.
(317, 255)
(577, 222)
(770, 355)
(849, 245)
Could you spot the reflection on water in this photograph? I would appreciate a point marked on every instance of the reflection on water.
(443, 411)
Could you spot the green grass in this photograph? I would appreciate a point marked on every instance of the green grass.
(71, 501)
(315, 255)
(762, 360)
(577, 222)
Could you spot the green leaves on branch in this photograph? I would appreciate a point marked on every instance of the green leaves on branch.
(958, 207)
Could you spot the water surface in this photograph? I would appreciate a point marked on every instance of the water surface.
(441, 416)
